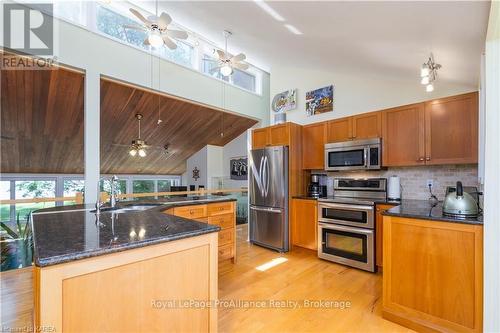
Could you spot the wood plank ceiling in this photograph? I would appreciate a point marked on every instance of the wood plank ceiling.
(42, 121)
(186, 127)
(42, 125)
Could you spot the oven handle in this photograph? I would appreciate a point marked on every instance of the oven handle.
(345, 206)
(342, 228)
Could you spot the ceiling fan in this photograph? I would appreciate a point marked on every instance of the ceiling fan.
(157, 28)
(226, 62)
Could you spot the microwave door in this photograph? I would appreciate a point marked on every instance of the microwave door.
(341, 159)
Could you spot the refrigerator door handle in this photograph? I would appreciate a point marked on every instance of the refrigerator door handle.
(269, 210)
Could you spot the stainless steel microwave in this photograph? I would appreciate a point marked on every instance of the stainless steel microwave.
(353, 155)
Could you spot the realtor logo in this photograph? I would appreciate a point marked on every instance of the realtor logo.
(27, 30)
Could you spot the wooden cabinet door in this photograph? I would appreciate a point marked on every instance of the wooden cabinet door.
(313, 146)
(379, 233)
(305, 223)
(367, 126)
(279, 135)
(260, 137)
(451, 130)
(339, 130)
(403, 136)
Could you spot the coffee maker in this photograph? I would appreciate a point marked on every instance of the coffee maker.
(316, 188)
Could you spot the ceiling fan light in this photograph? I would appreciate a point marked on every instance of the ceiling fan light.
(155, 39)
(142, 152)
(424, 71)
(425, 80)
(429, 87)
(132, 152)
(226, 70)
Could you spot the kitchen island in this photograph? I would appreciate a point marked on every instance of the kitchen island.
(433, 268)
(135, 268)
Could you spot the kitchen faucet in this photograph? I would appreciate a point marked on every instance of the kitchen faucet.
(112, 198)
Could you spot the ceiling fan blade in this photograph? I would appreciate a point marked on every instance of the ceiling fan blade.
(153, 18)
(179, 34)
(164, 20)
(240, 65)
(140, 16)
(170, 43)
(238, 57)
(222, 54)
(134, 27)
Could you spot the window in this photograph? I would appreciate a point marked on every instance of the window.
(4, 195)
(164, 185)
(33, 189)
(239, 78)
(143, 186)
(243, 80)
(111, 23)
(105, 186)
(73, 11)
(71, 187)
(183, 54)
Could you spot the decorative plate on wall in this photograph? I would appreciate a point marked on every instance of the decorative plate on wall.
(285, 101)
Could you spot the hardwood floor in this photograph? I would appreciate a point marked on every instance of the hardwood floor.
(301, 277)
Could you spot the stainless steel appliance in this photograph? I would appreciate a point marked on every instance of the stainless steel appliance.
(315, 188)
(268, 197)
(346, 223)
(461, 201)
(353, 155)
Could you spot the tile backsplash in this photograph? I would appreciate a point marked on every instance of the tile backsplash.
(414, 179)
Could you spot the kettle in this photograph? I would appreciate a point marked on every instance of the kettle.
(459, 203)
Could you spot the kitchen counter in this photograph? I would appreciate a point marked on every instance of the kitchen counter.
(303, 197)
(423, 209)
(68, 233)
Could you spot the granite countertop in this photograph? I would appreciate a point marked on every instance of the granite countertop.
(68, 233)
(305, 197)
(426, 210)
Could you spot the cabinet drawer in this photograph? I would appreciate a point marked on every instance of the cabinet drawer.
(226, 252)
(220, 208)
(191, 212)
(226, 236)
(224, 221)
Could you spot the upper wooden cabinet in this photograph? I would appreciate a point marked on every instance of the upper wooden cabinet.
(260, 137)
(359, 127)
(277, 135)
(451, 130)
(339, 130)
(403, 136)
(367, 126)
(313, 146)
(441, 131)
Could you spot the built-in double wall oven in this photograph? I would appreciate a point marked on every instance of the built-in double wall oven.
(346, 234)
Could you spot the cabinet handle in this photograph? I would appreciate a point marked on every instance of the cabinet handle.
(428, 158)
(191, 212)
(421, 159)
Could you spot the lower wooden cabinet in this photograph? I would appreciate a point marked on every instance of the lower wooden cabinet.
(304, 223)
(433, 275)
(379, 232)
(222, 214)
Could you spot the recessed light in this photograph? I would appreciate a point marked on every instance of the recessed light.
(293, 29)
(268, 9)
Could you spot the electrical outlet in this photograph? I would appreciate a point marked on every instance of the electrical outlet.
(430, 182)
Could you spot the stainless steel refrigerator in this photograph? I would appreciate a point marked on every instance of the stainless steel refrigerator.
(268, 197)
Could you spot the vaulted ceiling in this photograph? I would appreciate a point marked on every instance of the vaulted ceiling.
(42, 122)
(186, 128)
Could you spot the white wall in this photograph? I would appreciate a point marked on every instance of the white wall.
(235, 148)
(214, 165)
(198, 160)
(354, 93)
(491, 175)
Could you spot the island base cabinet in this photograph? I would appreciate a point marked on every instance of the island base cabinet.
(139, 290)
(433, 273)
